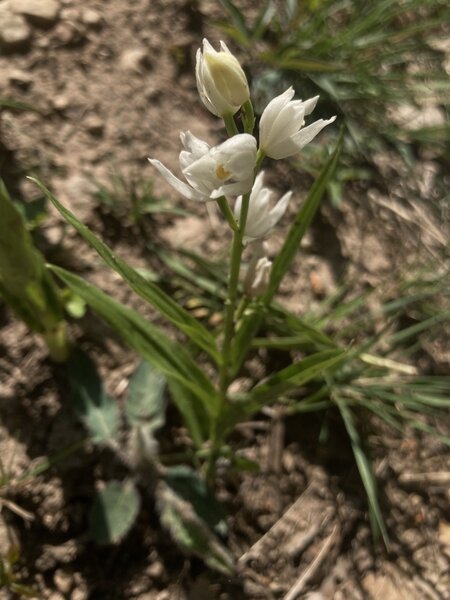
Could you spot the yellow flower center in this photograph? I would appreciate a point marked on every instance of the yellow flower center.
(222, 173)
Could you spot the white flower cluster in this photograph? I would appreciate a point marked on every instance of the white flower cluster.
(229, 169)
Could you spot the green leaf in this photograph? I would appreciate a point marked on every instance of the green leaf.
(114, 512)
(33, 211)
(194, 414)
(297, 374)
(236, 16)
(148, 290)
(148, 340)
(187, 484)
(25, 282)
(301, 223)
(145, 401)
(99, 411)
(13, 104)
(190, 531)
(295, 324)
(364, 467)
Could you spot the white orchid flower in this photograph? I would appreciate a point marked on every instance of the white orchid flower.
(260, 217)
(224, 170)
(281, 131)
(221, 82)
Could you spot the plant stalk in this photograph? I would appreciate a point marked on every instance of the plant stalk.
(230, 125)
(229, 327)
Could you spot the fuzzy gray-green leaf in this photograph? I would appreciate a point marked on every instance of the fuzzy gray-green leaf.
(114, 512)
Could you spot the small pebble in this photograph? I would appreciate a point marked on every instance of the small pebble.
(94, 125)
(43, 12)
(79, 594)
(156, 570)
(134, 59)
(14, 31)
(91, 17)
(63, 580)
(20, 78)
(60, 102)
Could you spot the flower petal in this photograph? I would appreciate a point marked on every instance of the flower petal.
(233, 189)
(310, 105)
(279, 209)
(283, 148)
(270, 114)
(307, 134)
(183, 188)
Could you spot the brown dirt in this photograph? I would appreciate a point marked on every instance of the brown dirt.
(112, 87)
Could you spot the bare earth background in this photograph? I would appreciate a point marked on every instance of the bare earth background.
(113, 83)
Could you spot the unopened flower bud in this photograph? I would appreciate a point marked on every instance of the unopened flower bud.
(221, 82)
(258, 272)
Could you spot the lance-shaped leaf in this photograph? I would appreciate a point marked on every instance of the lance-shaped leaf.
(303, 220)
(194, 414)
(99, 411)
(149, 341)
(25, 282)
(148, 290)
(114, 511)
(296, 375)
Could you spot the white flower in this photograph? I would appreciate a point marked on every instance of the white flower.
(224, 170)
(258, 271)
(221, 82)
(260, 217)
(281, 131)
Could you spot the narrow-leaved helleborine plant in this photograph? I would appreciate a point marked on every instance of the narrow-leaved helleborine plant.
(231, 172)
(201, 375)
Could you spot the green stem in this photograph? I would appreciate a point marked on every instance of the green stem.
(230, 319)
(235, 267)
(260, 156)
(227, 213)
(230, 125)
(58, 342)
(230, 303)
(248, 116)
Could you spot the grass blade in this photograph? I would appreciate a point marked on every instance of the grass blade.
(364, 468)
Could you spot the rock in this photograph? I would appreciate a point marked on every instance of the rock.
(155, 570)
(20, 78)
(60, 103)
(42, 12)
(63, 581)
(67, 33)
(94, 125)
(134, 59)
(91, 17)
(14, 31)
